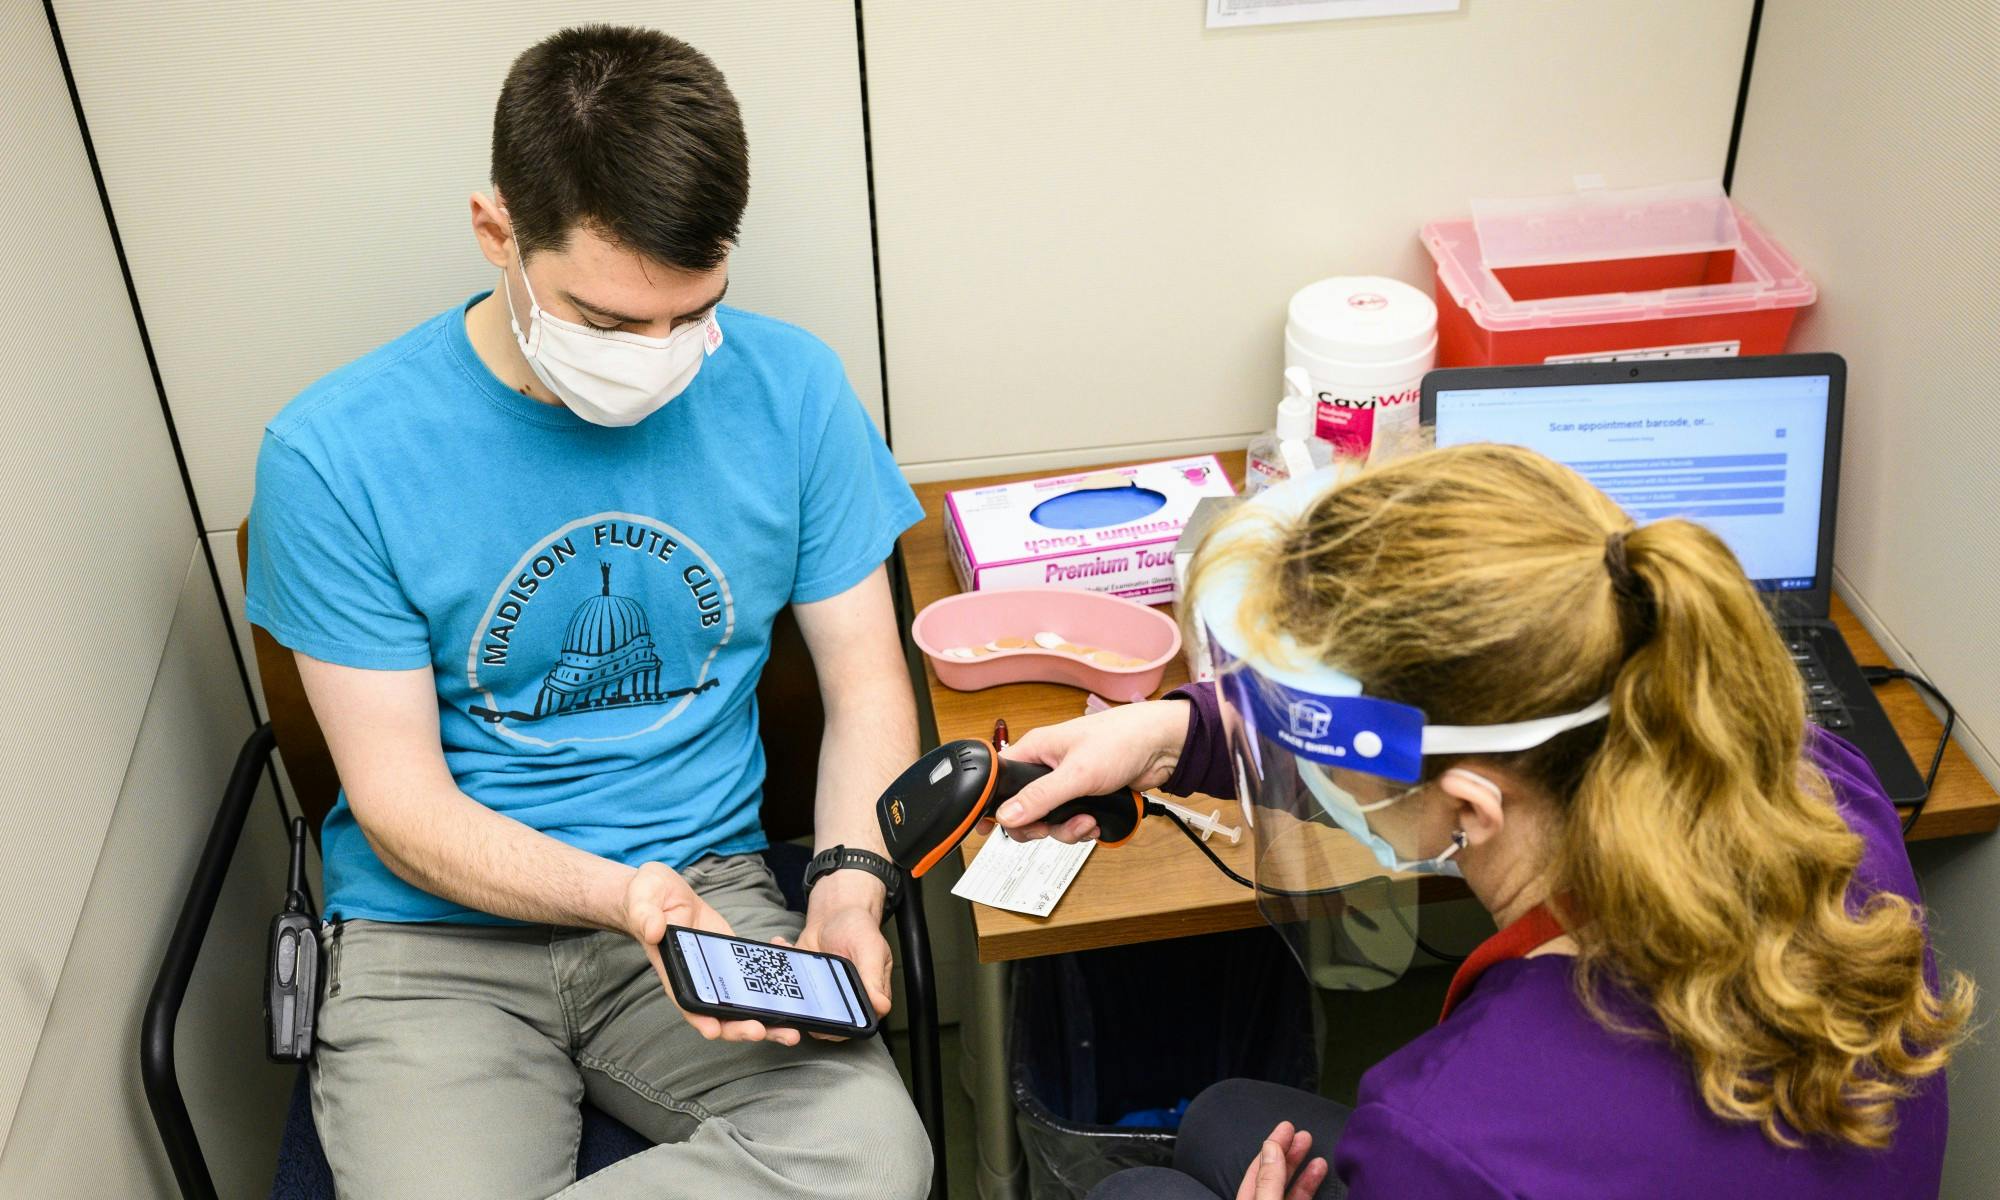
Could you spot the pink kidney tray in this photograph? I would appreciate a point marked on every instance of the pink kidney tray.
(1090, 619)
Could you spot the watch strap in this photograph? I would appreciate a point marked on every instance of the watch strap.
(837, 858)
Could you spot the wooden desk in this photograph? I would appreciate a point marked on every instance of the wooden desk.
(1158, 886)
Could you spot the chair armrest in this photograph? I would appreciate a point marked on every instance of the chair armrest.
(156, 1035)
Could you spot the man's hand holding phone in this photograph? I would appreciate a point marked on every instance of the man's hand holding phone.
(844, 918)
(657, 897)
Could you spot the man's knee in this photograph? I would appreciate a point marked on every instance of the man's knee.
(878, 1149)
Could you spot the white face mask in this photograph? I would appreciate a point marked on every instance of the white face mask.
(609, 377)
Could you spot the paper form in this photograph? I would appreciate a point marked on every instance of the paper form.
(1022, 877)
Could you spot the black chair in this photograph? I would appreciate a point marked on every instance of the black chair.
(790, 715)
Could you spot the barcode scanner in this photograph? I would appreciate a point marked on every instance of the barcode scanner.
(930, 807)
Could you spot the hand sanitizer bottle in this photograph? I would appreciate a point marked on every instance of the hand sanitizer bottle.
(1291, 448)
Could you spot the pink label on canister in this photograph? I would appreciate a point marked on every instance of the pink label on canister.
(1348, 424)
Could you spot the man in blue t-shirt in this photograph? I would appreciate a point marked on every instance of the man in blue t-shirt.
(528, 556)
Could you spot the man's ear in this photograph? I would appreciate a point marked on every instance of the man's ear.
(494, 231)
(1478, 801)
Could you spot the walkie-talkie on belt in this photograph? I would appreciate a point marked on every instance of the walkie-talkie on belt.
(291, 976)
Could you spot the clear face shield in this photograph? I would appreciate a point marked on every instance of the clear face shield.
(1331, 782)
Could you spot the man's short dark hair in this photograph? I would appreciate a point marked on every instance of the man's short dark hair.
(628, 132)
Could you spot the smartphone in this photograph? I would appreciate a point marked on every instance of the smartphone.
(737, 979)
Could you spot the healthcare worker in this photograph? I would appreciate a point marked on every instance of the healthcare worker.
(1711, 976)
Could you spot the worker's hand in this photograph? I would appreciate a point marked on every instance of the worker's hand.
(1135, 745)
(1277, 1161)
(844, 917)
(657, 897)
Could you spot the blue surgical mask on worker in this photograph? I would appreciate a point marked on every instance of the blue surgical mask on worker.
(609, 377)
(1348, 812)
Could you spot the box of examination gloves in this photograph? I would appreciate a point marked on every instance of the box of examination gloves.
(1206, 513)
(1111, 530)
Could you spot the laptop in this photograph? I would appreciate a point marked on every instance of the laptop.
(1749, 447)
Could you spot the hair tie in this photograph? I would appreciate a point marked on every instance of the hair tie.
(1635, 598)
(1614, 562)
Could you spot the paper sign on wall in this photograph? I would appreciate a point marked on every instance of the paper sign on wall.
(1228, 14)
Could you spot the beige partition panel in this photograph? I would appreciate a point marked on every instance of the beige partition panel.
(100, 533)
(83, 1129)
(291, 180)
(1872, 145)
(1091, 215)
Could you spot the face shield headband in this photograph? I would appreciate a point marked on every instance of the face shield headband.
(1370, 735)
(1334, 725)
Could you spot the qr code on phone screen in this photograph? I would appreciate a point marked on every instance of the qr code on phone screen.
(767, 971)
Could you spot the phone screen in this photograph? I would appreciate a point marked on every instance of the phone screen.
(772, 979)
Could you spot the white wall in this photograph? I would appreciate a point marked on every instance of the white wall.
(83, 1130)
(121, 696)
(1091, 215)
(92, 500)
(1872, 145)
(291, 181)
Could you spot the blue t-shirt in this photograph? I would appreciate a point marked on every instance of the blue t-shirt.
(595, 604)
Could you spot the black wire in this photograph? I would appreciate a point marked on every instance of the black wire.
(1877, 676)
(1418, 938)
(1742, 96)
(1154, 806)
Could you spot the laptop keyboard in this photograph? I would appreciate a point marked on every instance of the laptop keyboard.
(1824, 706)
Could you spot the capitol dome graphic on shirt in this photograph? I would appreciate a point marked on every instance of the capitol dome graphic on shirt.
(607, 658)
(570, 654)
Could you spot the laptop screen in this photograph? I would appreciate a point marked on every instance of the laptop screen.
(1743, 456)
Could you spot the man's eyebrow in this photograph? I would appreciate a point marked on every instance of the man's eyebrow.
(614, 317)
(713, 301)
(609, 315)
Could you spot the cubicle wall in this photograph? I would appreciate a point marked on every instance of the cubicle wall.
(292, 183)
(82, 1129)
(1091, 215)
(123, 706)
(1873, 142)
(1089, 218)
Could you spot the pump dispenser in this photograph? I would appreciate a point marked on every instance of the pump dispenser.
(1292, 447)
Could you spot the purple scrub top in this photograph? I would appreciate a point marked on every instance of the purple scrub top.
(1521, 1093)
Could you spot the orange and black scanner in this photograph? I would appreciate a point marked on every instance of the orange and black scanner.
(933, 805)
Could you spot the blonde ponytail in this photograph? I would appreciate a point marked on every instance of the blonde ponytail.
(1712, 870)
(1698, 849)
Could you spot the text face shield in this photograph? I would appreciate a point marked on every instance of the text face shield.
(1350, 920)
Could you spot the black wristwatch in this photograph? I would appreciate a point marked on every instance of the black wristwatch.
(836, 858)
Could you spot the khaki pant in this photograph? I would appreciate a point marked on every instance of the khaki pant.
(452, 1060)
